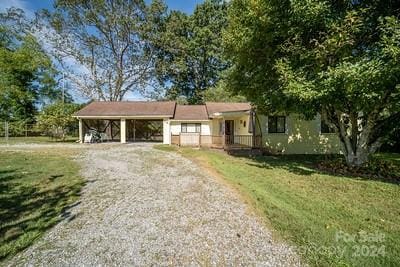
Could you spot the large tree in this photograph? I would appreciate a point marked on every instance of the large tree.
(26, 72)
(337, 58)
(104, 46)
(190, 52)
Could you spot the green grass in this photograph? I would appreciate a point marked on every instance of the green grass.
(36, 139)
(392, 157)
(308, 208)
(36, 189)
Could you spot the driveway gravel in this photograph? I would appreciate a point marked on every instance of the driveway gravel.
(142, 207)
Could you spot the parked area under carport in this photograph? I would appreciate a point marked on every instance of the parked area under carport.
(133, 130)
(127, 121)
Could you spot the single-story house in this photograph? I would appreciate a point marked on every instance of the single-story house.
(220, 125)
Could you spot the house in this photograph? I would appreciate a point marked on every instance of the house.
(219, 125)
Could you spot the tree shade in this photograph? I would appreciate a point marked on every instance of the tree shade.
(337, 58)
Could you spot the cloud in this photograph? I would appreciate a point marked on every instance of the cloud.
(22, 4)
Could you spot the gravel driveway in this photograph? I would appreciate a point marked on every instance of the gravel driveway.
(142, 206)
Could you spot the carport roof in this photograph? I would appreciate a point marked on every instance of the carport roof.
(128, 108)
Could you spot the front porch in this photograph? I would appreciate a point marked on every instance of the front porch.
(217, 141)
(228, 131)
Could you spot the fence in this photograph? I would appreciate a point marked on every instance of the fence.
(19, 130)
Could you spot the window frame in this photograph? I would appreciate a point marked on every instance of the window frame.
(276, 124)
(197, 127)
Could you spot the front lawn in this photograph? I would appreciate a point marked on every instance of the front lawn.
(36, 188)
(332, 220)
(35, 140)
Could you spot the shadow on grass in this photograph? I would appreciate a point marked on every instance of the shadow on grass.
(308, 165)
(27, 210)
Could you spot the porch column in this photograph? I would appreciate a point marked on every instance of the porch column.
(166, 132)
(81, 131)
(123, 131)
(223, 133)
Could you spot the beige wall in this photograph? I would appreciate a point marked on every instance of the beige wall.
(215, 124)
(242, 125)
(301, 137)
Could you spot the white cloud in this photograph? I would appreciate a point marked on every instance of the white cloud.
(22, 4)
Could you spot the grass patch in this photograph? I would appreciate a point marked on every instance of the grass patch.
(36, 189)
(311, 209)
(36, 140)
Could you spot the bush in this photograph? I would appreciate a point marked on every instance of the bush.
(374, 168)
(56, 119)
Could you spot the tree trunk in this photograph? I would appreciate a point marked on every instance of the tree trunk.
(355, 138)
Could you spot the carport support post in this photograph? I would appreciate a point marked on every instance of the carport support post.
(80, 131)
(123, 131)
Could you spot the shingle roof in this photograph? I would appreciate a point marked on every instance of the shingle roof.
(128, 108)
(216, 107)
(159, 108)
(191, 112)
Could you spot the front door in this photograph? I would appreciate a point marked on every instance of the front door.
(229, 131)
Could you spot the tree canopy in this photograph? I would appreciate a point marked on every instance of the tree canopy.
(337, 58)
(190, 58)
(26, 72)
(104, 47)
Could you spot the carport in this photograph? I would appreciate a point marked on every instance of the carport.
(127, 121)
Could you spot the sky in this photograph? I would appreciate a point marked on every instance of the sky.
(30, 6)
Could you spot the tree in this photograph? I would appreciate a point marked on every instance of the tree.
(103, 46)
(220, 93)
(338, 58)
(57, 119)
(26, 72)
(190, 58)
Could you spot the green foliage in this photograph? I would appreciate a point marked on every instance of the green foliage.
(340, 59)
(26, 73)
(220, 93)
(57, 120)
(190, 51)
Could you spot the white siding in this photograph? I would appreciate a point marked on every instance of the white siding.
(175, 127)
(205, 128)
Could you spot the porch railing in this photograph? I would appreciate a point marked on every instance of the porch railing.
(196, 139)
(243, 141)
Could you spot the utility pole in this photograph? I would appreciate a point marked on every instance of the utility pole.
(63, 88)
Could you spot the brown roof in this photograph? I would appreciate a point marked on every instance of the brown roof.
(215, 107)
(159, 108)
(191, 112)
(128, 108)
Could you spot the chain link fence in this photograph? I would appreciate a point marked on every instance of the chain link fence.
(19, 131)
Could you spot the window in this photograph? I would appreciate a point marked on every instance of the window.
(276, 124)
(326, 128)
(190, 127)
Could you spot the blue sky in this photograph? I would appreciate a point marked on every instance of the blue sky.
(30, 6)
(33, 5)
